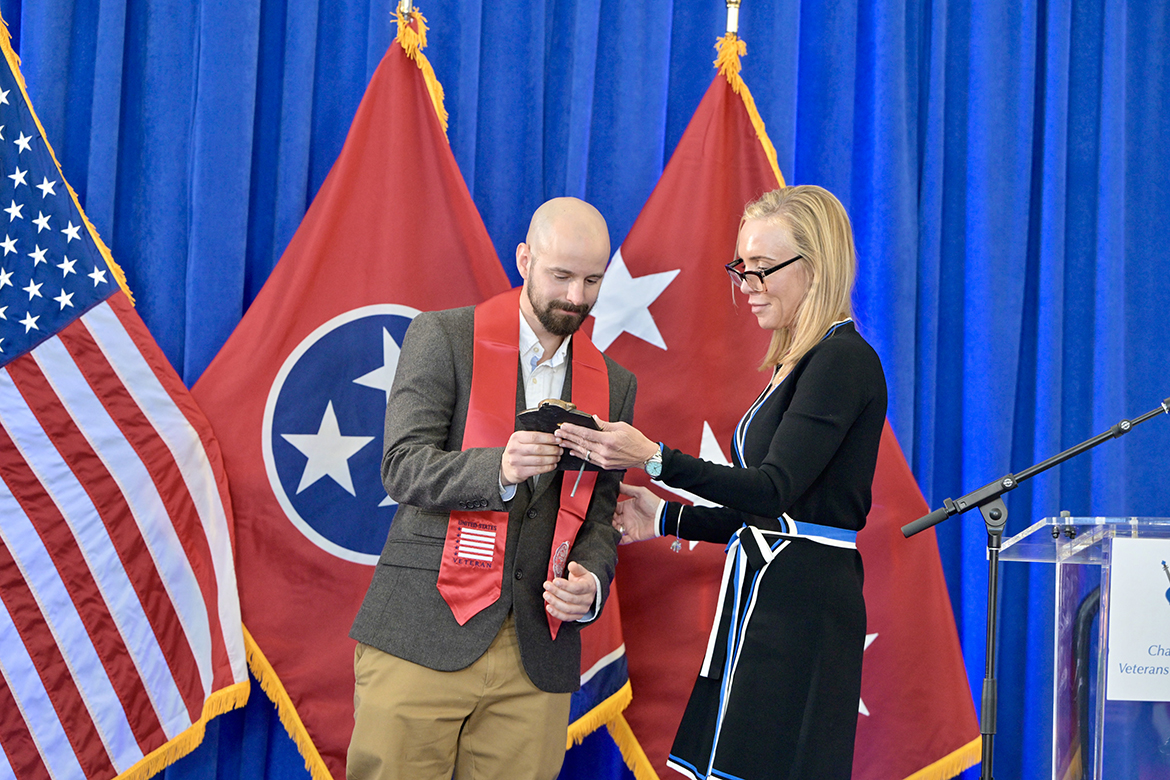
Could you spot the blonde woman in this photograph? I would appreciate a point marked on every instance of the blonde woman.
(777, 694)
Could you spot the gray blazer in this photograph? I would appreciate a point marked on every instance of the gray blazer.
(424, 469)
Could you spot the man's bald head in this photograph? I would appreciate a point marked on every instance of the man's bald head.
(562, 262)
(571, 221)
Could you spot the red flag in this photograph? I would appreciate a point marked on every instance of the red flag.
(666, 312)
(298, 393)
(918, 716)
(298, 396)
(119, 618)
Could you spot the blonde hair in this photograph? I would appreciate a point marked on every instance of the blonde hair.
(822, 235)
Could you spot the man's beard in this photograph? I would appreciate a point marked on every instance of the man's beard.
(559, 318)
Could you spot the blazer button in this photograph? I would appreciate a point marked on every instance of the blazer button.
(532, 513)
(462, 504)
(519, 574)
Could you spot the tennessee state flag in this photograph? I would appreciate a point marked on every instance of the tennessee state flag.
(298, 394)
(666, 312)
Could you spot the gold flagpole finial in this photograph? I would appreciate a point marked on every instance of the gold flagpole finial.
(733, 17)
(731, 47)
(405, 7)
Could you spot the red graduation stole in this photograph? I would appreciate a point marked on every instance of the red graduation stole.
(472, 571)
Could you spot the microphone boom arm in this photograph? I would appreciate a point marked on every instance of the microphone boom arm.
(993, 490)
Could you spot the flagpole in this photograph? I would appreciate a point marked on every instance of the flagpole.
(732, 17)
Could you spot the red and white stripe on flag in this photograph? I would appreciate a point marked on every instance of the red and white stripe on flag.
(120, 627)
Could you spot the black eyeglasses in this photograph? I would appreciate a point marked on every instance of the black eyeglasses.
(755, 279)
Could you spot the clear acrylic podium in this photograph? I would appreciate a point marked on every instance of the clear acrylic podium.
(1092, 737)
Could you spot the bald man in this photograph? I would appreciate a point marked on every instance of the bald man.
(468, 636)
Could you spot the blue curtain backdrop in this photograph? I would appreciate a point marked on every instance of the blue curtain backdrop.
(1005, 163)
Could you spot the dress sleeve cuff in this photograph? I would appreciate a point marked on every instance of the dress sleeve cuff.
(668, 519)
(593, 613)
(506, 493)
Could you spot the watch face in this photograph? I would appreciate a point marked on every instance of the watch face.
(654, 468)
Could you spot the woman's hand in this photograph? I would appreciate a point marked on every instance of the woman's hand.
(634, 519)
(616, 446)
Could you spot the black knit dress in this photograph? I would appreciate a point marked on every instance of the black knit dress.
(778, 693)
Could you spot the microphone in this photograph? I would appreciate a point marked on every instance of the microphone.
(922, 523)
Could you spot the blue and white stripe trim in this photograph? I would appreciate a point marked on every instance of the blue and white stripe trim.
(821, 534)
(745, 422)
(749, 553)
(738, 570)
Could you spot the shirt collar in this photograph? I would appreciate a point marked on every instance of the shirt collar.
(530, 347)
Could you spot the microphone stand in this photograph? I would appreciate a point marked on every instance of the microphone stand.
(989, 500)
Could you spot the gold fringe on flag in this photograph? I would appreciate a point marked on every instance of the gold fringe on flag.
(730, 49)
(274, 689)
(951, 766)
(1074, 770)
(631, 750)
(412, 37)
(609, 714)
(224, 700)
(599, 716)
(14, 66)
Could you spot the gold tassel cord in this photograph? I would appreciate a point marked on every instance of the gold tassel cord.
(14, 65)
(412, 37)
(952, 765)
(730, 49)
(274, 689)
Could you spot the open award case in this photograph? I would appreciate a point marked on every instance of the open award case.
(551, 414)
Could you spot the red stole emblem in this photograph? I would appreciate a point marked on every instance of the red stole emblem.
(472, 571)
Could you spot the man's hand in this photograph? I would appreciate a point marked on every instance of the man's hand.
(527, 454)
(571, 599)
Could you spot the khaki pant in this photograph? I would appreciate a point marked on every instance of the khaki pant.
(484, 722)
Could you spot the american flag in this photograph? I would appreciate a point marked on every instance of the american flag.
(120, 629)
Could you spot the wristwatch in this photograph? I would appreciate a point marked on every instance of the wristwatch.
(653, 465)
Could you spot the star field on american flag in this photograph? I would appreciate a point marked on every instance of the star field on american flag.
(51, 270)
